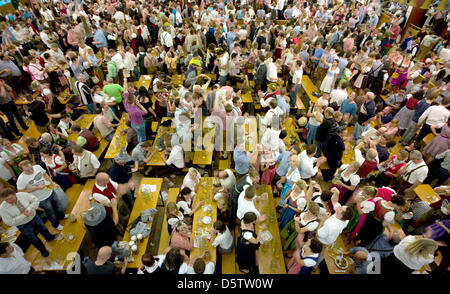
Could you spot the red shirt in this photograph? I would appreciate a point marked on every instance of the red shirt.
(366, 168)
(392, 168)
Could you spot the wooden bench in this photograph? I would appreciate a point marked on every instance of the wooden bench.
(103, 144)
(229, 265)
(428, 138)
(225, 163)
(165, 238)
(309, 87)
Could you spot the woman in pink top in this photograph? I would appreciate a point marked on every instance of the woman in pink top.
(33, 67)
(349, 43)
(135, 113)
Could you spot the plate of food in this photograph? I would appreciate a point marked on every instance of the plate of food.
(341, 262)
(266, 236)
(206, 220)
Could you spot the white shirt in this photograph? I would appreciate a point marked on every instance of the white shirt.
(331, 228)
(176, 157)
(100, 198)
(45, 38)
(418, 175)
(117, 58)
(297, 78)
(434, 115)
(245, 206)
(444, 55)
(209, 269)
(223, 61)
(307, 168)
(338, 96)
(230, 181)
(272, 74)
(224, 240)
(25, 181)
(15, 264)
(413, 262)
(166, 39)
(119, 16)
(308, 261)
(5, 174)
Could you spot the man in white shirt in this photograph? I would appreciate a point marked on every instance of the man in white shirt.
(223, 67)
(246, 203)
(119, 17)
(35, 180)
(166, 38)
(413, 173)
(309, 165)
(224, 240)
(296, 81)
(47, 37)
(331, 227)
(434, 115)
(227, 179)
(12, 261)
(200, 267)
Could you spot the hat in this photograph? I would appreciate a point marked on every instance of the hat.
(94, 215)
(167, 123)
(123, 155)
(273, 86)
(196, 62)
(302, 121)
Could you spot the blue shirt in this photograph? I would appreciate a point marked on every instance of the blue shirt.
(318, 54)
(281, 102)
(348, 107)
(241, 161)
(283, 166)
(240, 14)
(100, 37)
(27, 14)
(420, 109)
(386, 119)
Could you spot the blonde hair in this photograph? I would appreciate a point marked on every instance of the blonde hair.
(171, 206)
(422, 247)
(314, 208)
(301, 184)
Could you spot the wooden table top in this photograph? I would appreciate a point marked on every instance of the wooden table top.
(205, 156)
(65, 96)
(329, 255)
(145, 80)
(59, 250)
(247, 97)
(85, 122)
(119, 139)
(156, 159)
(142, 202)
(270, 254)
(309, 87)
(22, 101)
(251, 131)
(426, 193)
(205, 191)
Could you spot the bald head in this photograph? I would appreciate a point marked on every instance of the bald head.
(372, 154)
(104, 254)
(370, 96)
(102, 179)
(361, 255)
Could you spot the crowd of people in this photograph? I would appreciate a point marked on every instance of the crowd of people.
(382, 90)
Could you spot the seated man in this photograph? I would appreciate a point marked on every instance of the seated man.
(19, 210)
(105, 127)
(385, 116)
(85, 163)
(173, 156)
(85, 138)
(102, 265)
(142, 154)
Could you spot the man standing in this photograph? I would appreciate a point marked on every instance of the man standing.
(366, 115)
(296, 81)
(19, 210)
(85, 94)
(9, 108)
(36, 181)
(327, 128)
(85, 162)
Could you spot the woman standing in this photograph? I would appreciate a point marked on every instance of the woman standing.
(294, 203)
(248, 244)
(145, 100)
(292, 176)
(329, 81)
(306, 258)
(346, 180)
(411, 254)
(136, 113)
(439, 144)
(406, 113)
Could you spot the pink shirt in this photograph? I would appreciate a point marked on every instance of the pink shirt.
(348, 44)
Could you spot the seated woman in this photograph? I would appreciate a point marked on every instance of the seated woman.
(390, 168)
(191, 180)
(185, 202)
(57, 168)
(13, 154)
(292, 176)
(173, 216)
(181, 237)
(294, 203)
(305, 258)
(301, 228)
(248, 244)
(346, 180)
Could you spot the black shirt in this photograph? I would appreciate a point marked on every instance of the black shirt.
(106, 269)
(333, 151)
(326, 129)
(38, 114)
(369, 109)
(120, 174)
(103, 234)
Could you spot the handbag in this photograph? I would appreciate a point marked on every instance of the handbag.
(179, 241)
